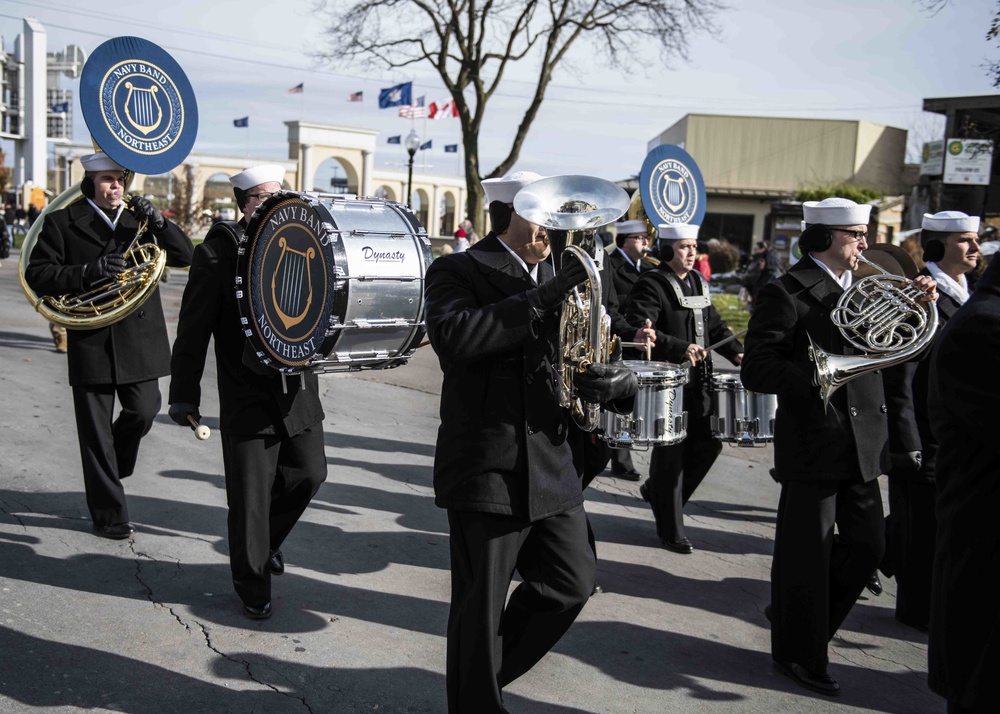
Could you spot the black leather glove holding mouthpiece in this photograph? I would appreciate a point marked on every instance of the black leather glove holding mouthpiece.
(179, 413)
(551, 293)
(105, 267)
(605, 383)
(906, 462)
(144, 209)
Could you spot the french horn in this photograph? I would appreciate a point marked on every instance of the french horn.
(879, 315)
(578, 205)
(109, 300)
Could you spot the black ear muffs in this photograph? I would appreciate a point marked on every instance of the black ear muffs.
(87, 187)
(500, 214)
(816, 238)
(933, 251)
(665, 251)
(241, 197)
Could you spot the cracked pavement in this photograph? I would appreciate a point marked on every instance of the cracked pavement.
(150, 625)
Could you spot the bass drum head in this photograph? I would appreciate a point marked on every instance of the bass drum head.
(283, 285)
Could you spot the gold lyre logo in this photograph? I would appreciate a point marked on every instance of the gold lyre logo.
(141, 108)
(674, 194)
(291, 284)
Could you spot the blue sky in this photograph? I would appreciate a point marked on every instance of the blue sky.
(845, 59)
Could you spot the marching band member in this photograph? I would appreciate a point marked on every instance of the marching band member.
(950, 241)
(827, 460)
(504, 466)
(80, 246)
(675, 298)
(272, 437)
(963, 651)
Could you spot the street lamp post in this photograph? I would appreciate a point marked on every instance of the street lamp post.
(412, 144)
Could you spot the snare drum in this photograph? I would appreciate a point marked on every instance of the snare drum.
(331, 283)
(739, 416)
(658, 417)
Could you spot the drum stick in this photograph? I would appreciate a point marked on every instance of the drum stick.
(201, 431)
(647, 346)
(728, 339)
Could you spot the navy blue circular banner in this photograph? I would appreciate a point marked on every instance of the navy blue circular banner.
(138, 105)
(671, 186)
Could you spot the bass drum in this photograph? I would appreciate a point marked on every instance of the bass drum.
(330, 283)
(658, 417)
(739, 416)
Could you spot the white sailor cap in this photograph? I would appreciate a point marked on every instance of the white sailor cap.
(950, 222)
(677, 231)
(627, 228)
(836, 212)
(99, 162)
(503, 189)
(256, 175)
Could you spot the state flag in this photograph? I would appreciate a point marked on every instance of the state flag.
(356, 97)
(397, 96)
(245, 121)
(451, 148)
(426, 145)
(395, 139)
(61, 108)
(297, 89)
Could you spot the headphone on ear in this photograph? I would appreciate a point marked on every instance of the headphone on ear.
(664, 250)
(241, 198)
(87, 187)
(933, 245)
(816, 238)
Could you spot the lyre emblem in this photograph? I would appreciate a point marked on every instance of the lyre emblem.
(140, 107)
(294, 296)
(674, 195)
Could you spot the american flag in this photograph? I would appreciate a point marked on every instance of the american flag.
(297, 89)
(356, 97)
(412, 112)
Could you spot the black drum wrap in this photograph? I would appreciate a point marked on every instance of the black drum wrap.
(332, 283)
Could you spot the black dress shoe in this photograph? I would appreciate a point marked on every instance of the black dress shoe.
(644, 491)
(682, 546)
(257, 613)
(874, 585)
(597, 589)
(276, 563)
(630, 475)
(822, 683)
(115, 531)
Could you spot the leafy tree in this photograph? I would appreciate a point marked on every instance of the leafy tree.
(471, 44)
(858, 194)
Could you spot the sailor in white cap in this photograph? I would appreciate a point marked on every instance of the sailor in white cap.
(826, 460)
(675, 297)
(81, 247)
(950, 241)
(272, 436)
(504, 463)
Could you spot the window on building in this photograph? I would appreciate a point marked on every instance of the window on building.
(734, 227)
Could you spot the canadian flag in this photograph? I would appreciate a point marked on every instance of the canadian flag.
(442, 111)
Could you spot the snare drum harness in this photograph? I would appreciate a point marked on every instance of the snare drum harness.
(697, 304)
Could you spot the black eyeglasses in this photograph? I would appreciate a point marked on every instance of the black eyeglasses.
(262, 196)
(858, 236)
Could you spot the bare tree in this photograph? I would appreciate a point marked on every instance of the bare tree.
(471, 44)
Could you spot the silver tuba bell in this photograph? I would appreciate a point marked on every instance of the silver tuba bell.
(880, 316)
(578, 205)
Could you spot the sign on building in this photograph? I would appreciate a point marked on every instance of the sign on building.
(968, 161)
(932, 160)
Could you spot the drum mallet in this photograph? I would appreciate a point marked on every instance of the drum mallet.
(201, 431)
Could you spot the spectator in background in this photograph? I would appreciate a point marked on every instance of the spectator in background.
(766, 267)
(701, 263)
(33, 214)
(461, 242)
(470, 232)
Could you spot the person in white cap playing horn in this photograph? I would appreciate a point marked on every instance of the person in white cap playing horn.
(504, 466)
(827, 460)
(79, 247)
(950, 241)
(272, 437)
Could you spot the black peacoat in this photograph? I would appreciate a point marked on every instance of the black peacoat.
(850, 439)
(134, 349)
(252, 399)
(502, 445)
(964, 645)
(623, 273)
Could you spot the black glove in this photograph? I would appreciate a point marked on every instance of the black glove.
(179, 413)
(906, 462)
(144, 209)
(107, 266)
(550, 294)
(605, 383)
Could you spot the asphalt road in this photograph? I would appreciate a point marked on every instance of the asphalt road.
(151, 625)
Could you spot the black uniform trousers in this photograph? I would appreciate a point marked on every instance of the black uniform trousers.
(270, 480)
(676, 471)
(816, 576)
(490, 645)
(621, 461)
(912, 528)
(109, 447)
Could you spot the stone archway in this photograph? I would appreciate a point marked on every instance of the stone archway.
(354, 149)
(447, 215)
(422, 207)
(385, 192)
(333, 175)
